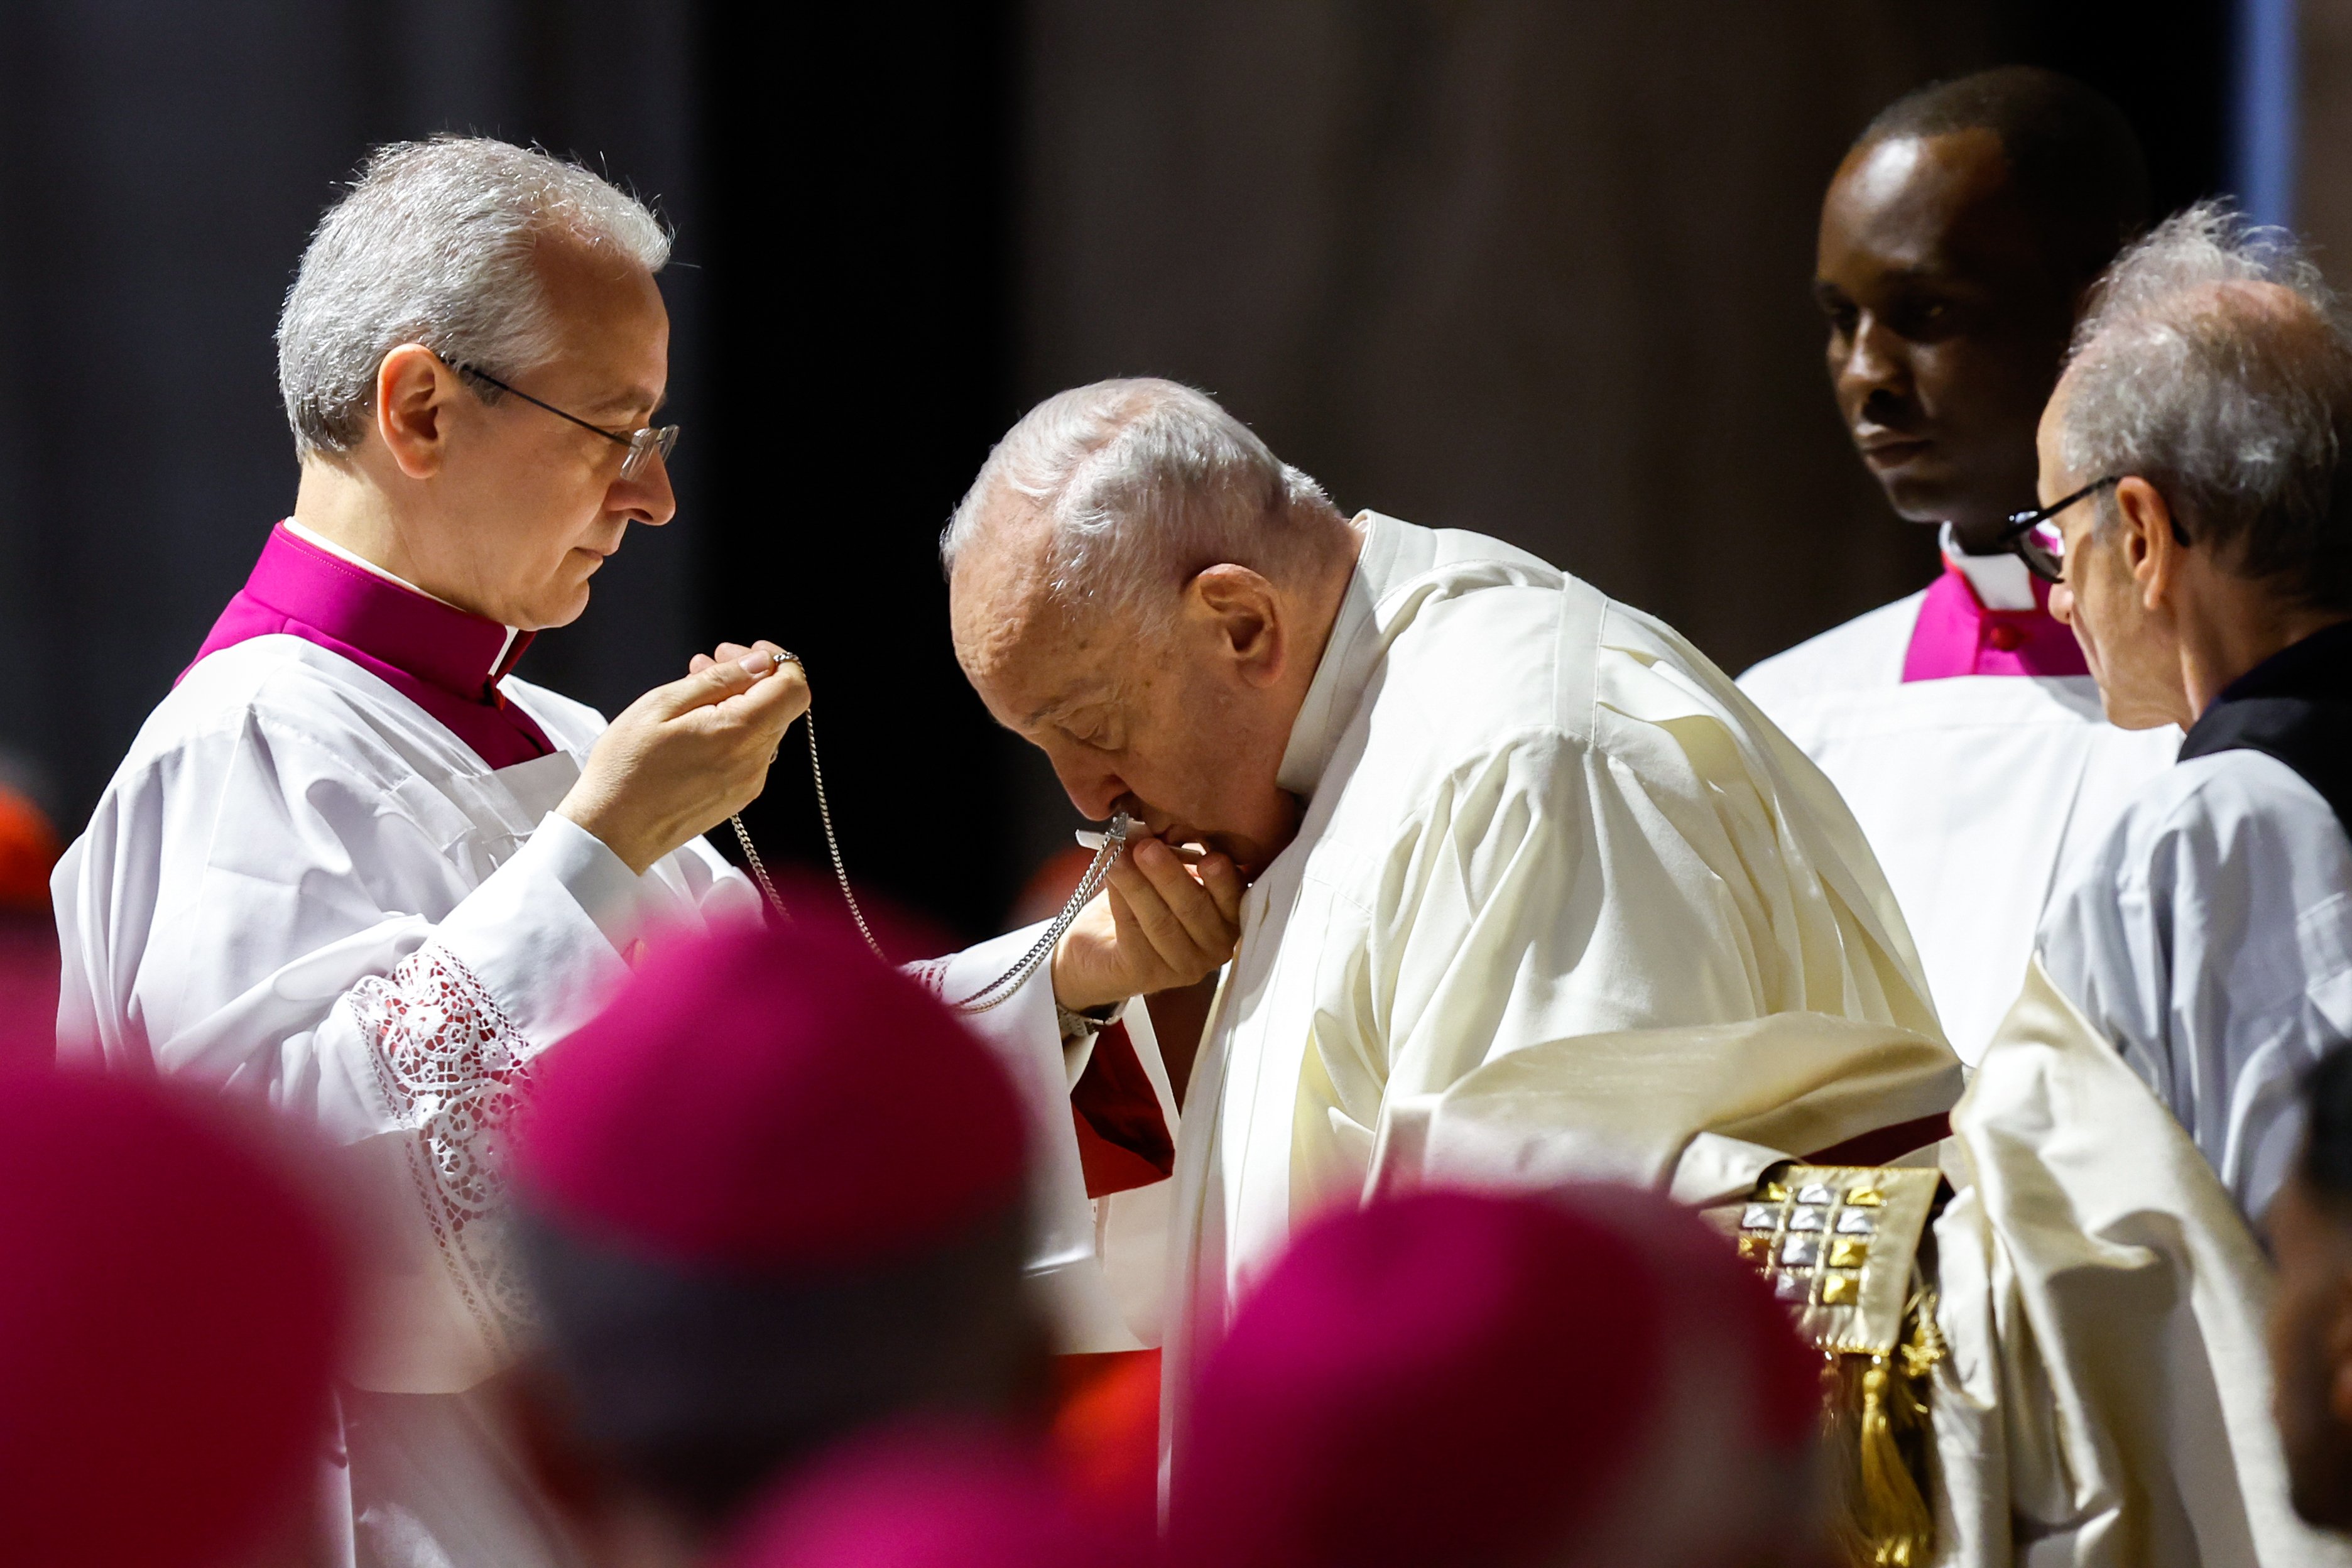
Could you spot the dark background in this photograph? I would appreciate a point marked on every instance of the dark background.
(1533, 268)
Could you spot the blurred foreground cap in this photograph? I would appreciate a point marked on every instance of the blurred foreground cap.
(1454, 1378)
(170, 1312)
(763, 1099)
(926, 1499)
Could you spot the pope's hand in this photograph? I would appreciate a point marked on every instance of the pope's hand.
(1160, 924)
(684, 757)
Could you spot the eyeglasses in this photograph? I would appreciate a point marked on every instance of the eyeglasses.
(2035, 539)
(642, 444)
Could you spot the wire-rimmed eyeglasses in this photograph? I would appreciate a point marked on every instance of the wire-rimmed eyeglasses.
(2034, 539)
(642, 444)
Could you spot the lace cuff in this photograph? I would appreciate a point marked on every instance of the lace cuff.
(452, 1068)
(932, 974)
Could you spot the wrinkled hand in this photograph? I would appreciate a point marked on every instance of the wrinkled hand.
(1160, 924)
(684, 757)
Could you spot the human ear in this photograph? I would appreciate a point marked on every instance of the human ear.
(2144, 525)
(1247, 613)
(412, 389)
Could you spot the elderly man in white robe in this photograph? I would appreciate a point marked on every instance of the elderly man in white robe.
(1485, 813)
(2101, 1289)
(351, 867)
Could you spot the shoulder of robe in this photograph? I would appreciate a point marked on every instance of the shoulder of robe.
(2235, 801)
(1863, 654)
(2239, 820)
(1477, 670)
(1544, 676)
(306, 702)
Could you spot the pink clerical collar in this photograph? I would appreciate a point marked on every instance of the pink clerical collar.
(1956, 635)
(445, 660)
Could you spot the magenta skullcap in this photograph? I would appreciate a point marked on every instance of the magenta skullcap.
(771, 1099)
(1452, 1378)
(928, 1498)
(171, 1309)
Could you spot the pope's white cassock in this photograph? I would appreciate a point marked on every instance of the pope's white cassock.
(1965, 731)
(1532, 815)
(328, 875)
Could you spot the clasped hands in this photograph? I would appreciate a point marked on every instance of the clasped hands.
(685, 756)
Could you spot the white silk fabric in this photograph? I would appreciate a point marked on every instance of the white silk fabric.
(1977, 793)
(2106, 1400)
(1532, 814)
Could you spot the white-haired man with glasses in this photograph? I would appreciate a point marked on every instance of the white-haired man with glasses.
(2202, 534)
(351, 867)
(2139, 1107)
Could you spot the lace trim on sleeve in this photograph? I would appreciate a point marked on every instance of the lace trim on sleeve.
(452, 1067)
(932, 974)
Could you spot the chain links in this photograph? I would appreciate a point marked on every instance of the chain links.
(1004, 987)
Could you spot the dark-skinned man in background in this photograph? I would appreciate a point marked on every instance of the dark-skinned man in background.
(1957, 240)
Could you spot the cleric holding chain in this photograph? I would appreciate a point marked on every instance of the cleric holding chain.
(355, 868)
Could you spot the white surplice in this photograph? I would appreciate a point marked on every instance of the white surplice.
(301, 888)
(1977, 792)
(2210, 940)
(1532, 814)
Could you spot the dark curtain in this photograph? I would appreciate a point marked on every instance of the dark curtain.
(860, 212)
(161, 166)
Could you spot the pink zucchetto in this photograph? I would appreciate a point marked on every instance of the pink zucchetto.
(928, 1498)
(171, 1308)
(1452, 1379)
(760, 1098)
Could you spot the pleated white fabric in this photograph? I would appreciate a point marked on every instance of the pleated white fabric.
(1532, 814)
(2106, 1403)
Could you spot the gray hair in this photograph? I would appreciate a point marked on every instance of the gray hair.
(2234, 401)
(1144, 483)
(434, 244)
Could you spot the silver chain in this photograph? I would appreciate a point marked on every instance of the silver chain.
(996, 991)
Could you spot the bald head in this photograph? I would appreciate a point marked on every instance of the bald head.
(1139, 587)
(1107, 498)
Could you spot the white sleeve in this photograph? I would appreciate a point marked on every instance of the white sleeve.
(1552, 892)
(1026, 1034)
(2210, 940)
(246, 912)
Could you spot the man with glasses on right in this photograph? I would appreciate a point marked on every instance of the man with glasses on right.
(2196, 515)
(2107, 1396)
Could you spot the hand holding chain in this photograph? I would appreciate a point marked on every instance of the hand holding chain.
(1106, 846)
